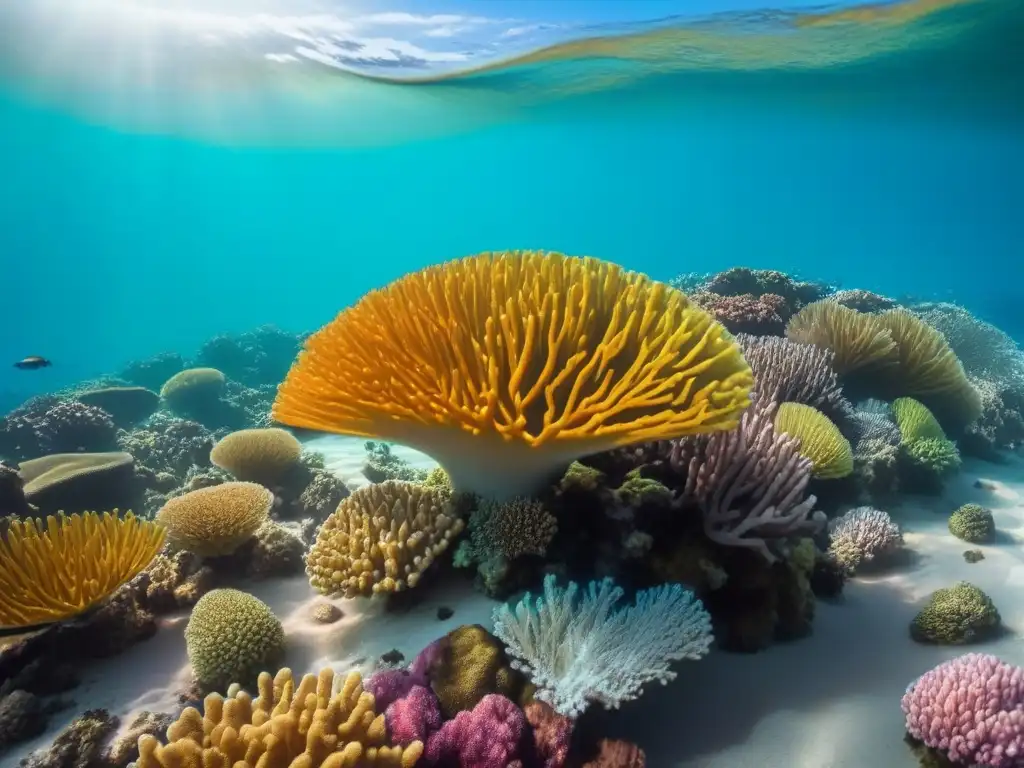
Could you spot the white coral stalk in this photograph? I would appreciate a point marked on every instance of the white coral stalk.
(577, 652)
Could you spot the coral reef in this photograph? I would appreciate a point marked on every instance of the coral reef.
(863, 535)
(257, 455)
(382, 465)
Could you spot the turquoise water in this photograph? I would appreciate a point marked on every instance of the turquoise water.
(887, 156)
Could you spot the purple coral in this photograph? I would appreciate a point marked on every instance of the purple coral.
(488, 736)
(760, 315)
(972, 709)
(750, 482)
(414, 716)
(390, 685)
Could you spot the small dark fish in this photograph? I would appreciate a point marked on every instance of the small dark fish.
(32, 362)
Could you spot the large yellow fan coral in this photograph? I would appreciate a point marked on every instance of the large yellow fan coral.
(505, 367)
(58, 569)
(287, 726)
(859, 340)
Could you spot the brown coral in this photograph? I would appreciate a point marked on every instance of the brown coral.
(745, 313)
(381, 539)
(257, 455)
(512, 528)
(305, 725)
(216, 520)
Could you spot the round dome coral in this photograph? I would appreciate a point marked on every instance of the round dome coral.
(505, 367)
(216, 520)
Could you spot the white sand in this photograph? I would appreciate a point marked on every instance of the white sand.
(828, 701)
(345, 457)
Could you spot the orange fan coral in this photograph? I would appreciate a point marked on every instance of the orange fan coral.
(505, 367)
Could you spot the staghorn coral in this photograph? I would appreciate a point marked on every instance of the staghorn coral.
(381, 539)
(800, 373)
(315, 726)
(973, 523)
(969, 709)
(862, 535)
(757, 315)
(956, 615)
(820, 440)
(506, 367)
(862, 301)
(230, 637)
(859, 342)
(577, 653)
(127, 406)
(61, 568)
(511, 529)
(216, 520)
(749, 483)
(257, 455)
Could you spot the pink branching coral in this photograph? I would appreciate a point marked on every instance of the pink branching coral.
(489, 736)
(760, 315)
(787, 371)
(750, 482)
(970, 708)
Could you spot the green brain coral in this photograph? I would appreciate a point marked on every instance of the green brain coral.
(972, 523)
(956, 615)
(231, 637)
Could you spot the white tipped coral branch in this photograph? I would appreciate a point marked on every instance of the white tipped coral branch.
(578, 652)
(749, 483)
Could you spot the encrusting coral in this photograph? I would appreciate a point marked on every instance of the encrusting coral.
(381, 539)
(505, 367)
(58, 569)
(820, 440)
(230, 637)
(308, 725)
(216, 520)
(257, 455)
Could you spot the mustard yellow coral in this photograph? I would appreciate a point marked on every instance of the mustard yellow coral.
(820, 440)
(231, 637)
(858, 340)
(58, 569)
(505, 367)
(381, 539)
(257, 455)
(192, 383)
(216, 520)
(286, 726)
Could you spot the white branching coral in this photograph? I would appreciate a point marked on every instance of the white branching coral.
(861, 535)
(580, 651)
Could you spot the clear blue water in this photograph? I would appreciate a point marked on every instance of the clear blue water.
(886, 155)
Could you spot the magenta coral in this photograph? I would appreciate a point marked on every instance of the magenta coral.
(414, 716)
(489, 736)
(390, 685)
(972, 709)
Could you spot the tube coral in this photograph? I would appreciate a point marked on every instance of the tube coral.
(505, 367)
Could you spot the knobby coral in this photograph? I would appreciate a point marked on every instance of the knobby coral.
(750, 483)
(307, 725)
(505, 367)
(58, 569)
(578, 652)
(381, 539)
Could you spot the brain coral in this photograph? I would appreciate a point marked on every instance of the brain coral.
(216, 520)
(970, 708)
(59, 569)
(820, 439)
(231, 637)
(304, 726)
(381, 539)
(259, 455)
(505, 367)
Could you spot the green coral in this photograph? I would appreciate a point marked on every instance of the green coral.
(973, 523)
(915, 421)
(937, 455)
(636, 491)
(438, 478)
(956, 615)
(581, 477)
(231, 637)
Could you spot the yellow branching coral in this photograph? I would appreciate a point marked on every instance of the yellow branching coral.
(915, 421)
(929, 370)
(216, 520)
(286, 726)
(257, 455)
(505, 367)
(380, 539)
(820, 440)
(859, 340)
(58, 569)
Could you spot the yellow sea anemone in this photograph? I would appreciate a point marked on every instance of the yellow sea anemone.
(505, 367)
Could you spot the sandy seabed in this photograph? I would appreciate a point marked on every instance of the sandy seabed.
(831, 700)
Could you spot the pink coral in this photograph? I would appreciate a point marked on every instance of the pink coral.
(390, 685)
(414, 716)
(489, 736)
(552, 733)
(971, 708)
(758, 315)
